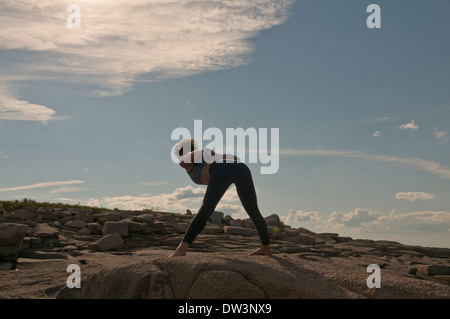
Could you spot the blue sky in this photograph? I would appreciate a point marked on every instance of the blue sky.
(86, 114)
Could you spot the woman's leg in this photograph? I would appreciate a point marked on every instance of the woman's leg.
(217, 186)
(247, 194)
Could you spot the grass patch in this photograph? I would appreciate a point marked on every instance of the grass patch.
(32, 205)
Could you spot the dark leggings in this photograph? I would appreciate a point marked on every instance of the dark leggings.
(222, 176)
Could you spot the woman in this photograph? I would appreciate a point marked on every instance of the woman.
(218, 172)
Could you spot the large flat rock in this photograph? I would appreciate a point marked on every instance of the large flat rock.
(219, 276)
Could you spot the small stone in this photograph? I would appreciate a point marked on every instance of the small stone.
(76, 224)
(412, 270)
(12, 234)
(108, 242)
(216, 218)
(227, 220)
(109, 217)
(84, 215)
(233, 230)
(9, 253)
(20, 214)
(342, 239)
(307, 239)
(247, 223)
(306, 231)
(212, 229)
(433, 270)
(143, 218)
(291, 232)
(134, 227)
(273, 220)
(43, 230)
(405, 258)
(236, 222)
(49, 215)
(84, 231)
(119, 228)
(63, 213)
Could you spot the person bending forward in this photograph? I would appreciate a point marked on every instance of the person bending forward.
(218, 175)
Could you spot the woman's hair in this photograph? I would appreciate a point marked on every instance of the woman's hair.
(185, 146)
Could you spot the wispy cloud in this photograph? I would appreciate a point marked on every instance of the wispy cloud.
(376, 134)
(423, 220)
(3, 155)
(413, 196)
(440, 135)
(424, 165)
(177, 201)
(124, 41)
(367, 220)
(12, 108)
(412, 126)
(40, 185)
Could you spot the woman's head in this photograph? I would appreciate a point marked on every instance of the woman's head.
(185, 146)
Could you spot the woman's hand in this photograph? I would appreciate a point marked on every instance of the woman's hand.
(185, 165)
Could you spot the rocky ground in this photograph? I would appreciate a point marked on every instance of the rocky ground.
(123, 254)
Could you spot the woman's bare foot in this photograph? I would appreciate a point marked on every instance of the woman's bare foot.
(263, 250)
(181, 250)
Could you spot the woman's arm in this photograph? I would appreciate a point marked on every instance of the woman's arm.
(185, 165)
(186, 161)
(228, 157)
(211, 156)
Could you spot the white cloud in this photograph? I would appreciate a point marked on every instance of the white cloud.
(425, 221)
(440, 135)
(126, 41)
(295, 216)
(39, 185)
(425, 165)
(177, 201)
(93, 202)
(367, 221)
(412, 196)
(382, 119)
(376, 134)
(12, 108)
(356, 218)
(409, 126)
